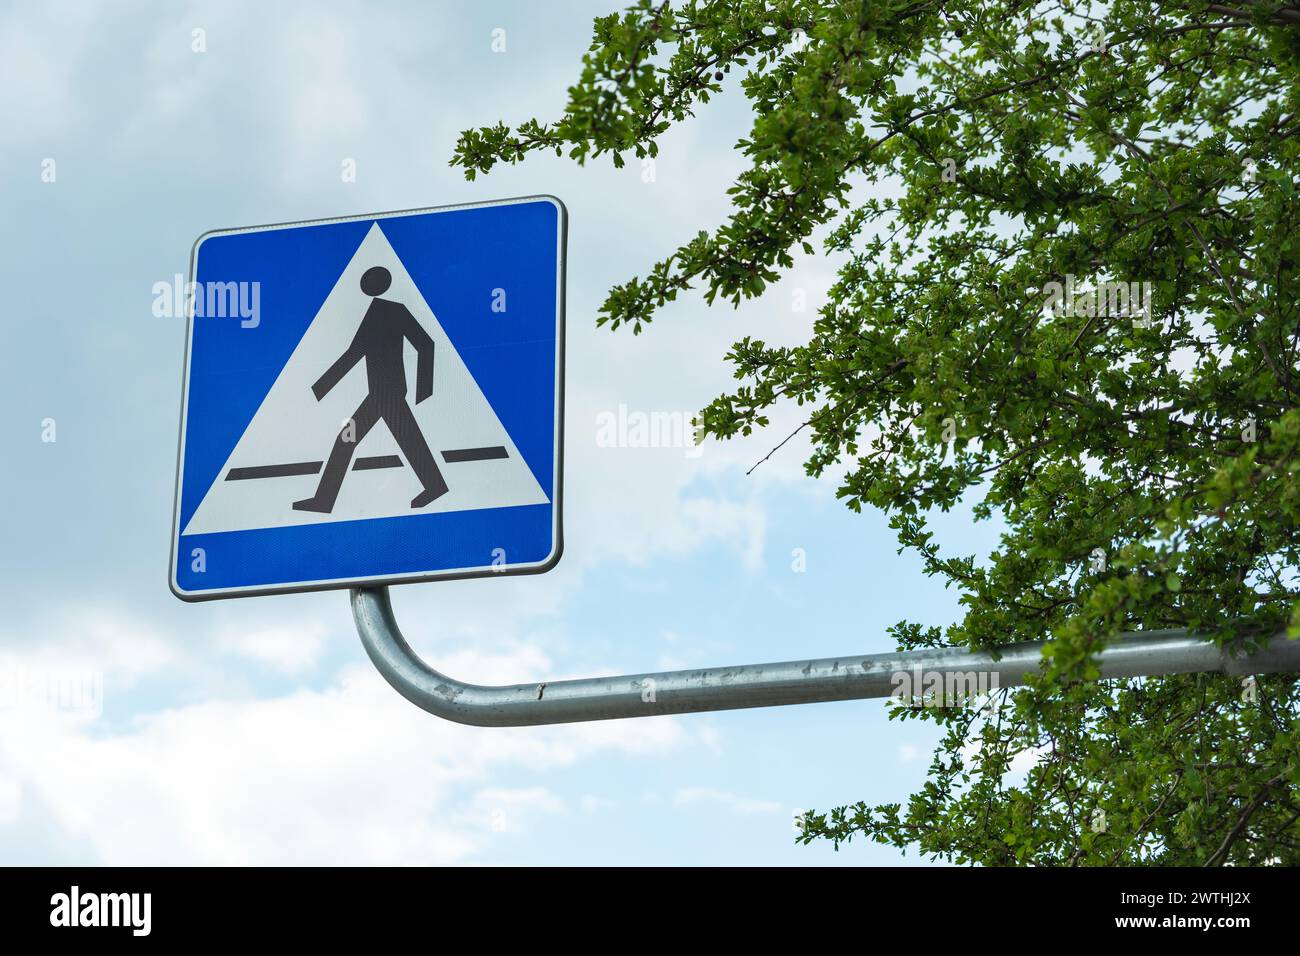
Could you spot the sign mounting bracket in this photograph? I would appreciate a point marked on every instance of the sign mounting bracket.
(851, 677)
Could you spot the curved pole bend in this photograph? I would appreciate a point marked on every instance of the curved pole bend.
(851, 677)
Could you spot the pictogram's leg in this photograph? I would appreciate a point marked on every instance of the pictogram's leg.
(401, 422)
(336, 467)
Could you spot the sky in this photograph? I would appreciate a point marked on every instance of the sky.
(256, 731)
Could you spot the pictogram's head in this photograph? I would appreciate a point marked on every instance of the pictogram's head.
(376, 281)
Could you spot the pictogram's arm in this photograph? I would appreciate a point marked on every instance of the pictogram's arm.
(335, 372)
(423, 345)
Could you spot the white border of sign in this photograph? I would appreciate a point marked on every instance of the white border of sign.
(557, 533)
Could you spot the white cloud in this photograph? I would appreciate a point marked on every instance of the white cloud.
(348, 774)
(510, 810)
(693, 796)
(590, 803)
(288, 648)
(11, 800)
(90, 639)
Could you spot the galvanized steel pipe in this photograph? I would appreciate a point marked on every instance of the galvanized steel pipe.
(850, 677)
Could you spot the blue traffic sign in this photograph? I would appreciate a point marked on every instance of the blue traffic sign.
(372, 400)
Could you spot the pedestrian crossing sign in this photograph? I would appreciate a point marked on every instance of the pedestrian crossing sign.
(384, 404)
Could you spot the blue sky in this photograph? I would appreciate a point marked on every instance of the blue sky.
(256, 730)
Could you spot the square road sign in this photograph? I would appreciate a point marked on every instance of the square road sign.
(372, 400)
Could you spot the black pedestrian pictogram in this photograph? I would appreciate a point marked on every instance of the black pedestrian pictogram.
(380, 339)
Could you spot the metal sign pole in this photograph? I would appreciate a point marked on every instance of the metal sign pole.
(851, 677)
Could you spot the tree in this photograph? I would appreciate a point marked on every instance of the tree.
(1067, 293)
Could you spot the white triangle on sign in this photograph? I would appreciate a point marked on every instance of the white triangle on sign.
(292, 428)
